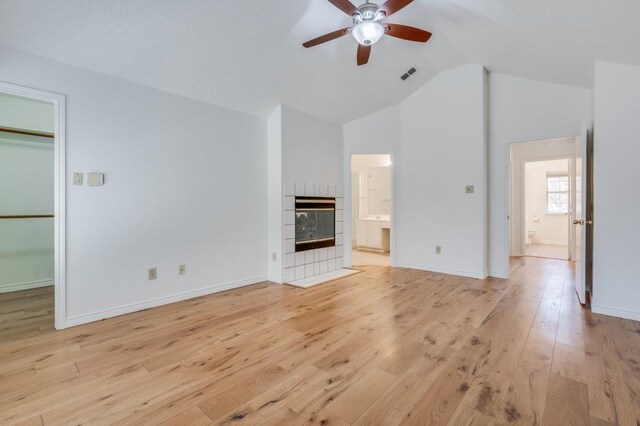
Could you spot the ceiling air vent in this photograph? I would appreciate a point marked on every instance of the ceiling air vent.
(408, 74)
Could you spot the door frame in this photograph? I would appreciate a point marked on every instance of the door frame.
(508, 169)
(59, 190)
(347, 242)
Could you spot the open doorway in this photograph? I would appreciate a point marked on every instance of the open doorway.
(546, 209)
(371, 206)
(543, 198)
(31, 211)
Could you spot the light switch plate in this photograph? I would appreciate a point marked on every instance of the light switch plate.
(469, 189)
(95, 179)
(77, 178)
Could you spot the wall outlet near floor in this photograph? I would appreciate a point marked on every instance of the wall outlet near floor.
(153, 274)
(438, 249)
(274, 256)
(182, 269)
(469, 189)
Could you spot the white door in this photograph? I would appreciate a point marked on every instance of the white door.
(579, 217)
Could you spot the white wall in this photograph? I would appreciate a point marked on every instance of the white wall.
(275, 184)
(185, 183)
(616, 153)
(26, 187)
(311, 148)
(437, 138)
(549, 228)
(443, 149)
(523, 110)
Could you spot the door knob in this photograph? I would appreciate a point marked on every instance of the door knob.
(578, 221)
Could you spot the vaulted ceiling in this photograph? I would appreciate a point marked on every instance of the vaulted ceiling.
(247, 54)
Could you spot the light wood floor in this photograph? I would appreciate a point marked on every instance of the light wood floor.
(551, 251)
(25, 314)
(387, 346)
(369, 258)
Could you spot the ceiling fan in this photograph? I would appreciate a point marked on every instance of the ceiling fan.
(368, 27)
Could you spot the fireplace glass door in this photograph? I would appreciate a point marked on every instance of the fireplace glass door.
(315, 223)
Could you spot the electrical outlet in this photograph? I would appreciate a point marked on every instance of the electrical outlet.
(438, 250)
(182, 269)
(77, 178)
(153, 274)
(469, 189)
(274, 256)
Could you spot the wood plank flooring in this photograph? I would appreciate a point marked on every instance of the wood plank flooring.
(387, 346)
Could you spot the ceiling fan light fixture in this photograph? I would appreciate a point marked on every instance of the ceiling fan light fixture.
(368, 32)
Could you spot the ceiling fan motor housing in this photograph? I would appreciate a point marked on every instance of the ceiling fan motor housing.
(367, 28)
(368, 12)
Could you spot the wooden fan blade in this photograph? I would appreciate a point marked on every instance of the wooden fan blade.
(346, 6)
(406, 32)
(327, 37)
(363, 54)
(392, 6)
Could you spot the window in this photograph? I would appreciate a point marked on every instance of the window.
(557, 193)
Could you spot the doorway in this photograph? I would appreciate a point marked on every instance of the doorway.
(31, 210)
(371, 207)
(547, 208)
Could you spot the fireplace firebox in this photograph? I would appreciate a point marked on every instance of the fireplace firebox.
(315, 223)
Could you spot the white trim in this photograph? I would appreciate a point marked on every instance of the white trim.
(59, 209)
(448, 271)
(164, 300)
(7, 288)
(612, 312)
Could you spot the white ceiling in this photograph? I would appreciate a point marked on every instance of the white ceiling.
(247, 54)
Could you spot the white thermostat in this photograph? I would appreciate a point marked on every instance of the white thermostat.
(95, 179)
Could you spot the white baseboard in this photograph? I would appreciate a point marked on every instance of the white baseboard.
(469, 274)
(275, 279)
(612, 312)
(7, 288)
(153, 303)
(501, 275)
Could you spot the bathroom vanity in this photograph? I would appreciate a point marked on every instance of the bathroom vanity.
(373, 234)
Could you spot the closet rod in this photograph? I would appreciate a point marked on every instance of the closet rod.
(27, 216)
(26, 132)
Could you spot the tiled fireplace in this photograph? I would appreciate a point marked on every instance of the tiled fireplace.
(319, 247)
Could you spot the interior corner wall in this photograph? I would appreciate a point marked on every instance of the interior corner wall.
(523, 110)
(438, 138)
(185, 184)
(616, 152)
(443, 150)
(275, 204)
